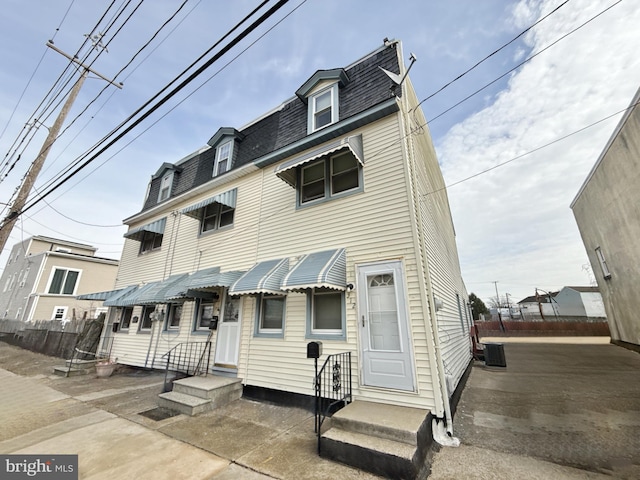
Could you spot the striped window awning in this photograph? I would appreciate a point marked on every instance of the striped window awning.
(212, 277)
(287, 171)
(326, 269)
(226, 198)
(153, 227)
(263, 277)
(108, 295)
(151, 293)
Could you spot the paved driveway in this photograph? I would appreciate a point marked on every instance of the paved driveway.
(556, 411)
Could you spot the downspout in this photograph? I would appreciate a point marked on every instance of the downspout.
(443, 406)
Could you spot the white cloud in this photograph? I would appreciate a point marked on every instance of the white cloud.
(514, 223)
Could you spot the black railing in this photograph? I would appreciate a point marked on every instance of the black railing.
(333, 388)
(189, 358)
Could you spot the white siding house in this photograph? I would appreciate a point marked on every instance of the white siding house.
(324, 220)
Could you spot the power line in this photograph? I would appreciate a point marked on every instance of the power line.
(559, 139)
(492, 54)
(52, 187)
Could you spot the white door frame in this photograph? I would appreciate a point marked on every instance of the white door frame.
(227, 350)
(393, 368)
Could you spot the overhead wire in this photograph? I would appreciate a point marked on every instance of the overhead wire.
(518, 157)
(54, 186)
(15, 108)
(40, 110)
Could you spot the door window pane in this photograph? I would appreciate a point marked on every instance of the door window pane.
(384, 330)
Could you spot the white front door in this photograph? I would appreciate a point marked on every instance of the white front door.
(383, 327)
(228, 338)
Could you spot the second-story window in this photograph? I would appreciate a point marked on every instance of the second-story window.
(329, 177)
(323, 108)
(63, 281)
(216, 216)
(165, 187)
(223, 158)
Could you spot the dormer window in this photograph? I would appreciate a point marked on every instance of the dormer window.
(320, 93)
(323, 108)
(165, 187)
(223, 158)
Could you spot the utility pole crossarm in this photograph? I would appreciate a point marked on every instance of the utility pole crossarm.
(75, 60)
(36, 166)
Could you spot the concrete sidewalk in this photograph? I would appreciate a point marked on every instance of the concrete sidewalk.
(105, 422)
(563, 408)
(559, 410)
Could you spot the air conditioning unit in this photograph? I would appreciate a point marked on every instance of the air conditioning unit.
(494, 355)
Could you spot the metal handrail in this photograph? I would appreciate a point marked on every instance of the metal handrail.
(333, 387)
(190, 358)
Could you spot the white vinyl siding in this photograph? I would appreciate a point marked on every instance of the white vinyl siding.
(372, 226)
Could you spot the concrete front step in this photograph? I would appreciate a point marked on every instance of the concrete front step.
(386, 440)
(82, 363)
(64, 371)
(183, 403)
(401, 424)
(195, 395)
(381, 456)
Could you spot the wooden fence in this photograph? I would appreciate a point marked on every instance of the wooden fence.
(53, 337)
(492, 328)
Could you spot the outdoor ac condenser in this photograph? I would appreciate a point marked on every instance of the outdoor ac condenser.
(494, 355)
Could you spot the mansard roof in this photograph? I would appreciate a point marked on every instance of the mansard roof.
(282, 132)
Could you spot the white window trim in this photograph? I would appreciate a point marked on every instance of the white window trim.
(320, 332)
(64, 309)
(75, 287)
(312, 103)
(216, 167)
(151, 318)
(165, 185)
(200, 307)
(270, 332)
(170, 312)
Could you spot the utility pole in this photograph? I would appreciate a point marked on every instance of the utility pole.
(502, 329)
(21, 198)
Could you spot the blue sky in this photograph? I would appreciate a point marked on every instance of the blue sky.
(513, 224)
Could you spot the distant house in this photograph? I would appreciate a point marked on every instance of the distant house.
(540, 305)
(325, 220)
(570, 303)
(44, 275)
(607, 212)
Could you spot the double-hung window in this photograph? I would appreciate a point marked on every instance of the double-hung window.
(174, 315)
(215, 216)
(223, 158)
(125, 318)
(147, 312)
(150, 241)
(325, 313)
(205, 315)
(165, 187)
(323, 108)
(271, 314)
(63, 281)
(330, 177)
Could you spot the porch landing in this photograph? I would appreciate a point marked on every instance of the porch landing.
(386, 440)
(193, 395)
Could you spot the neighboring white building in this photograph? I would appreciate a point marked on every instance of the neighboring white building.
(570, 302)
(43, 276)
(326, 219)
